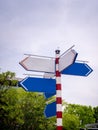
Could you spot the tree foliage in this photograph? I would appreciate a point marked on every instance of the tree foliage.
(23, 111)
(85, 114)
(7, 79)
(70, 122)
(96, 114)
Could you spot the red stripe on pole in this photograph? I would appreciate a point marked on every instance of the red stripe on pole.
(59, 100)
(59, 114)
(58, 74)
(58, 86)
(57, 61)
(59, 127)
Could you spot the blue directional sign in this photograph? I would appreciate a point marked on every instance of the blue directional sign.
(48, 95)
(50, 110)
(39, 85)
(78, 69)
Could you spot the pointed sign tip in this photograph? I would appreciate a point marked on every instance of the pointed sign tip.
(90, 70)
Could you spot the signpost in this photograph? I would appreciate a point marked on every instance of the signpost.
(58, 92)
(52, 68)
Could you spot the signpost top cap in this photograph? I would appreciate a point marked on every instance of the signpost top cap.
(57, 51)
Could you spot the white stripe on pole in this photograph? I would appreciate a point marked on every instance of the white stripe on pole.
(58, 80)
(59, 120)
(59, 107)
(58, 92)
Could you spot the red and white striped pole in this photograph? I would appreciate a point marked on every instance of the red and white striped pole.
(58, 93)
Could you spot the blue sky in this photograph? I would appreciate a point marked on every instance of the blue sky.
(40, 27)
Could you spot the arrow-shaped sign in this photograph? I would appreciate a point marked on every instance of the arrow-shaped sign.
(50, 110)
(39, 64)
(48, 64)
(78, 69)
(67, 59)
(39, 85)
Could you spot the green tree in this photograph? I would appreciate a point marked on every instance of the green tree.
(23, 110)
(70, 122)
(84, 113)
(10, 113)
(7, 79)
(33, 109)
(96, 114)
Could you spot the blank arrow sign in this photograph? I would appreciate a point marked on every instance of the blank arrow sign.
(78, 69)
(39, 85)
(39, 64)
(50, 110)
(67, 59)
